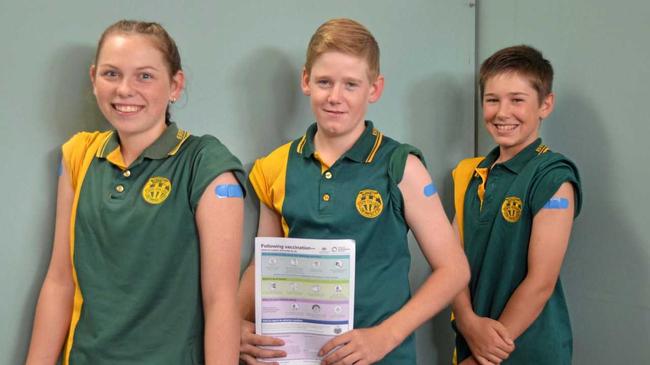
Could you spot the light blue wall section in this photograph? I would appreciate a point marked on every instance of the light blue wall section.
(243, 61)
(600, 53)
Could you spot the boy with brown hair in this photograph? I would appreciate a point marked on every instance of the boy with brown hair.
(345, 179)
(514, 212)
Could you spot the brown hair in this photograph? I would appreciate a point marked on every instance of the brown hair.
(161, 40)
(346, 36)
(523, 60)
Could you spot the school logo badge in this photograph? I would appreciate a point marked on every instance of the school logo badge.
(511, 209)
(156, 190)
(369, 203)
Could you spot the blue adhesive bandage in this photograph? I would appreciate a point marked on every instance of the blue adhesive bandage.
(430, 190)
(557, 203)
(229, 191)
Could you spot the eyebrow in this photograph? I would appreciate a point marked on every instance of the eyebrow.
(108, 65)
(517, 93)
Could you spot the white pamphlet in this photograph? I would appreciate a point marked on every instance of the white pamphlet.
(304, 293)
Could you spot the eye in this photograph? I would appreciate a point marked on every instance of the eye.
(517, 100)
(111, 74)
(490, 100)
(351, 85)
(146, 76)
(323, 82)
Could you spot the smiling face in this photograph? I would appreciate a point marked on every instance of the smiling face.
(513, 113)
(133, 85)
(340, 91)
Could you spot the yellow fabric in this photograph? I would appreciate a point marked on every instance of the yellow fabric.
(268, 177)
(78, 153)
(483, 173)
(462, 175)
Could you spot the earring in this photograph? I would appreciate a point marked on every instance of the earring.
(172, 100)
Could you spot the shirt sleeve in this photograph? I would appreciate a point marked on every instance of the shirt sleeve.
(549, 180)
(212, 160)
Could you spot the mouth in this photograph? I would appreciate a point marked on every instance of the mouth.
(505, 127)
(334, 112)
(127, 108)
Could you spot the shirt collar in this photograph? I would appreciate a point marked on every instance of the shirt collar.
(363, 150)
(517, 163)
(169, 142)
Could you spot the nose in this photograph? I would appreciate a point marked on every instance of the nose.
(503, 111)
(334, 96)
(124, 88)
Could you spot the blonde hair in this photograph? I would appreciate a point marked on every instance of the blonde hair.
(345, 36)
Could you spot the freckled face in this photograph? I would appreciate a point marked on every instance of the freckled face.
(340, 91)
(512, 112)
(132, 84)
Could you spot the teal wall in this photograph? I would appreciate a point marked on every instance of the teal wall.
(600, 53)
(243, 60)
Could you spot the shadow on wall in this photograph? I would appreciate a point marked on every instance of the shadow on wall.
(68, 106)
(607, 261)
(440, 108)
(268, 96)
(442, 127)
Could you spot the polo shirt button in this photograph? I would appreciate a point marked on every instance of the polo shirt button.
(326, 197)
(328, 175)
(119, 188)
(126, 173)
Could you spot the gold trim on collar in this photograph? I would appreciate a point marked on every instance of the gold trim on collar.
(542, 148)
(378, 138)
(182, 136)
(100, 150)
(301, 144)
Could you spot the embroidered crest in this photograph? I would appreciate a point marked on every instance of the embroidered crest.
(156, 190)
(369, 203)
(511, 209)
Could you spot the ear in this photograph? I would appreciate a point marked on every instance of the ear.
(547, 106)
(376, 89)
(177, 85)
(93, 77)
(304, 82)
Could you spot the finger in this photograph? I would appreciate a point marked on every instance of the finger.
(259, 340)
(502, 331)
(336, 341)
(260, 352)
(338, 355)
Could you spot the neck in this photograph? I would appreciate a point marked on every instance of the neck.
(132, 145)
(331, 148)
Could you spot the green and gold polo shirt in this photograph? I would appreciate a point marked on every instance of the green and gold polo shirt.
(497, 218)
(355, 198)
(135, 247)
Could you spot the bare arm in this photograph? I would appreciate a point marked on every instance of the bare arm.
(54, 307)
(270, 225)
(219, 222)
(548, 244)
(439, 244)
(426, 217)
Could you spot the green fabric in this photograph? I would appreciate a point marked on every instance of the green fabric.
(382, 255)
(497, 249)
(138, 263)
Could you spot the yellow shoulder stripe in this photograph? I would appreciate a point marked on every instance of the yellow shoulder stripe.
(78, 154)
(268, 179)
